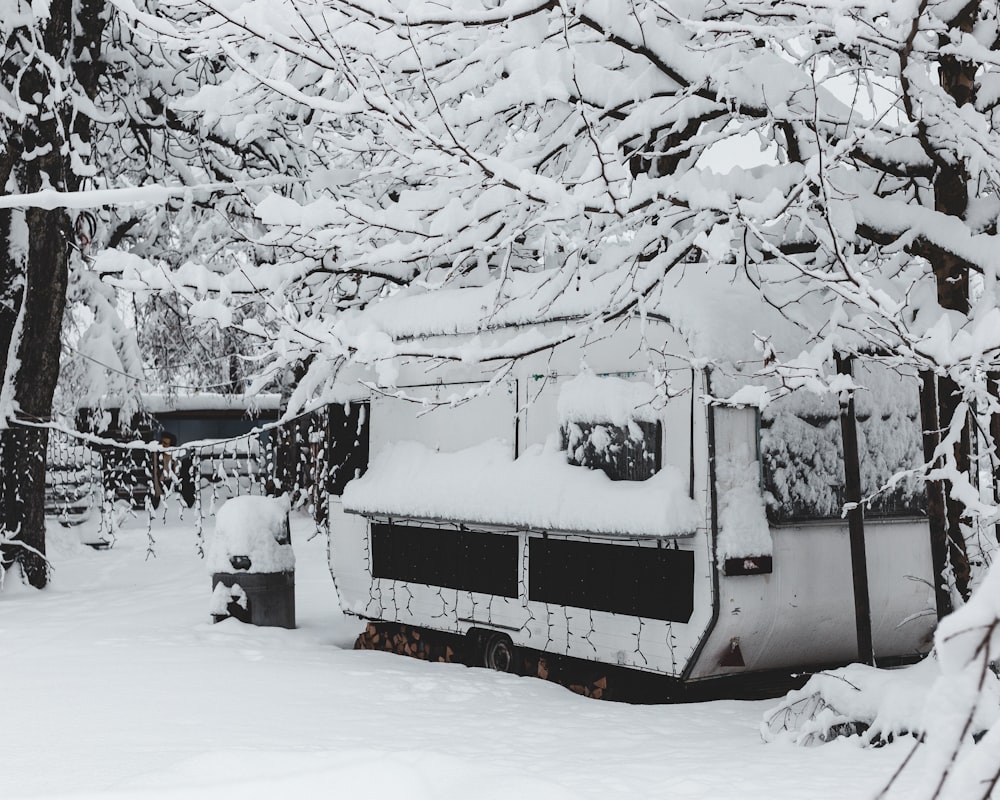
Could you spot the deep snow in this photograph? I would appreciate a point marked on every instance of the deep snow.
(116, 685)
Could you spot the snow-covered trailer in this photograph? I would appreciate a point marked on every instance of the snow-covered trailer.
(609, 513)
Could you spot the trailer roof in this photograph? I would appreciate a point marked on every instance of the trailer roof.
(722, 312)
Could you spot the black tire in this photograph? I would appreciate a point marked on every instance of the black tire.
(498, 652)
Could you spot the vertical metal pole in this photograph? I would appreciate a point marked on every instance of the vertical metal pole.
(855, 519)
(993, 388)
(937, 516)
(694, 399)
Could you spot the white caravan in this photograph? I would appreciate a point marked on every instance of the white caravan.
(593, 503)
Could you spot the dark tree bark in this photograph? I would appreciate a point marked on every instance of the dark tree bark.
(44, 301)
(12, 270)
(937, 507)
(71, 36)
(951, 273)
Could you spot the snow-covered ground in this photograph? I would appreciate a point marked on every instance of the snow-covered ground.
(116, 685)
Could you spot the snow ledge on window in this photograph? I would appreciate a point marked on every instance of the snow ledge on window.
(538, 491)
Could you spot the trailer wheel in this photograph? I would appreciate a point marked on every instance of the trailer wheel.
(498, 652)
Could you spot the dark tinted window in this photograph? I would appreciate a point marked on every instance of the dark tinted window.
(465, 560)
(630, 453)
(802, 450)
(641, 581)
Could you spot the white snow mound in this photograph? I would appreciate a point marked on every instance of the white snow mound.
(251, 526)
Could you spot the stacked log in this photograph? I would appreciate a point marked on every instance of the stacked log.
(580, 677)
(587, 678)
(406, 640)
(595, 689)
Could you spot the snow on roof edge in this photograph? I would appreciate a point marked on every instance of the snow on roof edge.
(721, 312)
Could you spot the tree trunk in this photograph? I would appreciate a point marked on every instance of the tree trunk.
(71, 35)
(951, 273)
(856, 520)
(44, 303)
(937, 507)
(994, 392)
(12, 257)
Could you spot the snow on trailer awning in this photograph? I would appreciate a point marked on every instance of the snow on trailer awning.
(539, 491)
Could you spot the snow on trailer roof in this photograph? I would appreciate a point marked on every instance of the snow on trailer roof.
(722, 315)
(721, 311)
(484, 484)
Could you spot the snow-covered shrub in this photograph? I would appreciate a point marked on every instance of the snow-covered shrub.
(950, 702)
(876, 704)
(628, 452)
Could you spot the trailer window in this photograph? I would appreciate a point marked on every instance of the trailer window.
(454, 559)
(802, 451)
(611, 423)
(625, 453)
(652, 582)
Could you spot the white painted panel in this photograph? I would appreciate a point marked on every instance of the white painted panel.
(646, 644)
(349, 558)
(445, 427)
(477, 610)
(803, 613)
(901, 586)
